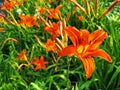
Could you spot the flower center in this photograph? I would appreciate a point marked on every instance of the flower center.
(82, 49)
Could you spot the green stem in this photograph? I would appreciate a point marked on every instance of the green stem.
(14, 20)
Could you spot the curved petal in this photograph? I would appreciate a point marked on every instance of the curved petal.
(89, 65)
(85, 35)
(97, 36)
(36, 61)
(37, 68)
(95, 45)
(102, 54)
(67, 51)
(74, 34)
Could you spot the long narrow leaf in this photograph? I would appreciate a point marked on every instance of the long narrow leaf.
(114, 76)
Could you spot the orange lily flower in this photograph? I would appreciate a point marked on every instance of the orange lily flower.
(55, 13)
(50, 45)
(40, 63)
(29, 21)
(53, 29)
(8, 5)
(22, 56)
(85, 46)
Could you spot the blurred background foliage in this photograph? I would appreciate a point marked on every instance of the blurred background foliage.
(65, 73)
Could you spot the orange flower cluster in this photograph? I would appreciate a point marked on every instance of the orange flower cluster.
(85, 45)
(10, 4)
(39, 63)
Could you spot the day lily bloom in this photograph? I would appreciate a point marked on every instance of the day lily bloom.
(29, 21)
(85, 46)
(55, 13)
(8, 5)
(22, 56)
(53, 29)
(50, 45)
(40, 63)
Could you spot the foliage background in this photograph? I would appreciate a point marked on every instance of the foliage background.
(70, 73)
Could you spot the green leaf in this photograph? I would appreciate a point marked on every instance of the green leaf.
(36, 86)
(114, 76)
(86, 85)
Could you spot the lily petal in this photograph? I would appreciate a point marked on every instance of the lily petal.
(74, 34)
(85, 35)
(95, 45)
(67, 51)
(102, 54)
(85, 32)
(89, 66)
(98, 35)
